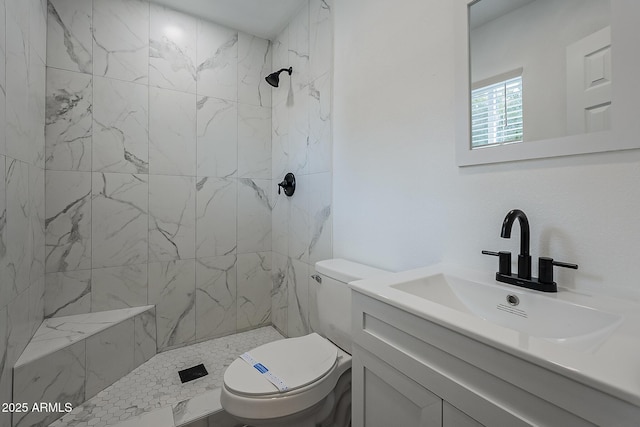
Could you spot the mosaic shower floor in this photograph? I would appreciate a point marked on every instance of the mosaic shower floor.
(156, 384)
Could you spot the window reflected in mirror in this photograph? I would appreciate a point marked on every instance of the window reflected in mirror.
(496, 111)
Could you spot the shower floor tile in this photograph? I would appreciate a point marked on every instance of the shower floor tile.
(156, 384)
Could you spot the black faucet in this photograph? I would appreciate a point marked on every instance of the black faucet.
(523, 278)
(524, 259)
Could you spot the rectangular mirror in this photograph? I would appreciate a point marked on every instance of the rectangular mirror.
(545, 78)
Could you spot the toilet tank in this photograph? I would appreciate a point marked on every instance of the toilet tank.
(333, 298)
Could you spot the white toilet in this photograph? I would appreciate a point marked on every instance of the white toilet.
(303, 381)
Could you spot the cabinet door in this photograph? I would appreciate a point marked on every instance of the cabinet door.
(453, 417)
(385, 397)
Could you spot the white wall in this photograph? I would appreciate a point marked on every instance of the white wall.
(401, 202)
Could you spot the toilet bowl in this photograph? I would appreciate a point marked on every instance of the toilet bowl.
(303, 381)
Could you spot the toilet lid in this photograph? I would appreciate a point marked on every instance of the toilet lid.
(296, 361)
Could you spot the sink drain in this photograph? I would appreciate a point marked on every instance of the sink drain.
(513, 300)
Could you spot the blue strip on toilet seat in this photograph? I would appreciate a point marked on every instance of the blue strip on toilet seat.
(264, 371)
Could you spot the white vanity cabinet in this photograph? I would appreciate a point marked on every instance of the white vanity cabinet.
(387, 397)
(409, 371)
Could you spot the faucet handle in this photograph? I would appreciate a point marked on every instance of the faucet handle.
(504, 261)
(545, 268)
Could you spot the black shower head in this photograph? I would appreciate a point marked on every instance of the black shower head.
(274, 78)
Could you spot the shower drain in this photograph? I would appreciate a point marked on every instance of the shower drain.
(193, 373)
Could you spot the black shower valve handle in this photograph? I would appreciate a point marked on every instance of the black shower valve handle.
(288, 184)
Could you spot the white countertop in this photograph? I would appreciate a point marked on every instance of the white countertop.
(613, 366)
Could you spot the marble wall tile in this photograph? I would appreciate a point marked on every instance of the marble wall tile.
(320, 217)
(120, 126)
(320, 38)
(3, 73)
(172, 217)
(254, 142)
(119, 287)
(6, 366)
(279, 292)
(299, 133)
(254, 215)
(38, 15)
(69, 41)
(17, 234)
(279, 60)
(7, 292)
(3, 89)
(299, 48)
(314, 318)
(18, 118)
(59, 377)
(298, 298)
(280, 220)
(109, 357)
(217, 59)
(279, 141)
(299, 221)
(172, 49)
(216, 216)
(280, 167)
(119, 224)
(320, 138)
(36, 108)
(36, 304)
(302, 144)
(67, 293)
(216, 303)
(68, 128)
(217, 143)
(254, 290)
(144, 337)
(18, 326)
(37, 215)
(172, 290)
(68, 221)
(172, 132)
(121, 39)
(18, 11)
(254, 64)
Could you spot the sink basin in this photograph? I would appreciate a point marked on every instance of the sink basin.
(587, 337)
(542, 316)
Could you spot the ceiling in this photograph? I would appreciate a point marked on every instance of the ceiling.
(262, 18)
(488, 10)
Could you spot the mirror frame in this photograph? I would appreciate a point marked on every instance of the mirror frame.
(625, 103)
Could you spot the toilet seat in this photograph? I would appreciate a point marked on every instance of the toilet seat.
(298, 362)
(313, 366)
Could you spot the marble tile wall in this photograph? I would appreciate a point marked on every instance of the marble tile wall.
(302, 144)
(22, 178)
(158, 168)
